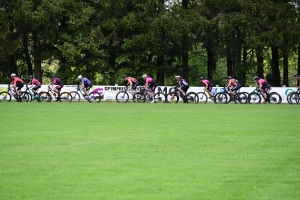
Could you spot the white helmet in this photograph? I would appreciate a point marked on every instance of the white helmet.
(13, 74)
(144, 76)
(177, 76)
(79, 77)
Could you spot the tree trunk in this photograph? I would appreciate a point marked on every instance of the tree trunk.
(13, 64)
(37, 58)
(229, 60)
(260, 62)
(160, 78)
(298, 70)
(185, 48)
(27, 56)
(275, 67)
(211, 62)
(285, 70)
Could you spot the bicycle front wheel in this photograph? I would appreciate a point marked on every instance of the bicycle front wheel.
(94, 97)
(254, 98)
(172, 97)
(75, 96)
(242, 98)
(44, 97)
(202, 97)
(160, 97)
(25, 96)
(65, 96)
(221, 98)
(5, 96)
(192, 98)
(122, 97)
(139, 97)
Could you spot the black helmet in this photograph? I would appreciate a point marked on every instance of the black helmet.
(30, 76)
(296, 75)
(124, 76)
(200, 78)
(52, 76)
(256, 78)
(228, 77)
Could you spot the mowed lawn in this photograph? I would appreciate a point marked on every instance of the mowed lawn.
(149, 151)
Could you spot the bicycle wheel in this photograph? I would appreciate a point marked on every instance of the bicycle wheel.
(192, 98)
(221, 98)
(242, 98)
(75, 96)
(172, 97)
(25, 96)
(202, 97)
(160, 97)
(94, 97)
(122, 97)
(275, 98)
(139, 97)
(254, 98)
(5, 96)
(44, 97)
(292, 97)
(65, 96)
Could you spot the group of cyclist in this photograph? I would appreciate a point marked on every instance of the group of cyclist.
(57, 84)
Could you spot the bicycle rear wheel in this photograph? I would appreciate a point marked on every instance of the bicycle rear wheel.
(25, 96)
(254, 98)
(160, 97)
(122, 97)
(192, 98)
(139, 97)
(275, 98)
(94, 97)
(202, 97)
(242, 98)
(65, 96)
(5, 96)
(172, 97)
(44, 97)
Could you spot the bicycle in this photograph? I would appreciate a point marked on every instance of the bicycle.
(256, 97)
(123, 96)
(31, 94)
(47, 96)
(203, 97)
(145, 95)
(294, 97)
(190, 97)
(7, 95)
(77, 95)
(226, 97)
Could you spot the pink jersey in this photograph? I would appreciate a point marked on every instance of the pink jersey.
(262, 82)
(35, 82)
(18, 80)
(205, 82)
(149, 80)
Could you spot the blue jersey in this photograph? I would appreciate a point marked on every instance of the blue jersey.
(86, 81)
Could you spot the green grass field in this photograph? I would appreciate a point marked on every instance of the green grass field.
(149, 151)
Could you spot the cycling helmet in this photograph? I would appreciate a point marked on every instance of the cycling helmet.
(144, 76)
(200, 78)
(79, 77)
(124, 76)
(228, 77)
(177, 76)
(256, 78)
(30, 76)
(296, 75)
(13, 74)
(52, 76)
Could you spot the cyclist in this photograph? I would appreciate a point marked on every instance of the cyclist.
(297, 76)
(233, 85)
(85, 84)
(35, 85)
(150, 86)
(17, 84)
(263, 85)
(182, 86)
(208, 86)
(132, 82)
(58, 82)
